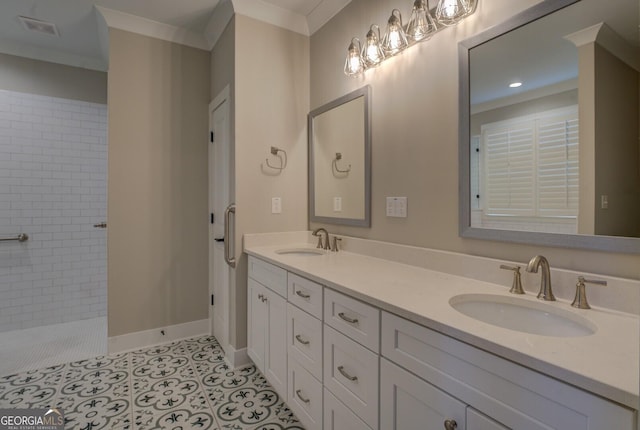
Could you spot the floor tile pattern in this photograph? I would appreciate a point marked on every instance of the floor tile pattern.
(181, 385)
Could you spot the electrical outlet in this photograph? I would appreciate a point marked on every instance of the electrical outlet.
(276, 205)
(604, 201)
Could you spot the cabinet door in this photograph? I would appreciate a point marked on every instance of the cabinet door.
(409, 403)
(478, 421)
(256, 323)
(275, 362)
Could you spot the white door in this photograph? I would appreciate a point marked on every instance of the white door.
(219, 185)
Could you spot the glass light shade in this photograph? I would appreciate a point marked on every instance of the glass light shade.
(470, 6)
(395, 39)
(449, 12)
(353, 65)
(372, 53)
(421, 26)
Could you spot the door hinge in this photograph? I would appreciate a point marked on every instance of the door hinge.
(212, 136)
(212, 300)
(212, 218)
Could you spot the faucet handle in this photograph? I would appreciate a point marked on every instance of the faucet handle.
(580, 300)
(319, 245)
(335, 241)
(516, 287)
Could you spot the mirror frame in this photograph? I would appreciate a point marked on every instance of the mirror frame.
(627, 245)
(357, 222)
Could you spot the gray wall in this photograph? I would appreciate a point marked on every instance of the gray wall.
(157, 190)
(415, 134)
(53, 80)
(270, 102)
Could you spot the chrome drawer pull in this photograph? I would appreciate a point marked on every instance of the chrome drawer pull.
(347, 319)
(303, 295)
(301, 397)
(301, 340)
(450, 425)
(346, 375)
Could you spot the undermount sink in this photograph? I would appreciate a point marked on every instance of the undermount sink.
(522, 315)
(301, 251)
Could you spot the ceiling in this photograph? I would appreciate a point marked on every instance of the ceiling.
(542, 54)
(78, 23)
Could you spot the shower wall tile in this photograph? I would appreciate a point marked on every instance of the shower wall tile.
(53, 186)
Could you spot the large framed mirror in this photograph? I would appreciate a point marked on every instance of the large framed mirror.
(340, 160)
(549, 127)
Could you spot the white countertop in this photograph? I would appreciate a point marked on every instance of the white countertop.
(605, 363)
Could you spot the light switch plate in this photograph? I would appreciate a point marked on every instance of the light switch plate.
(276, 205)
(337, 204)
(397, 207)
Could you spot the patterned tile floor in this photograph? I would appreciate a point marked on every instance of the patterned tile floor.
(181, 385)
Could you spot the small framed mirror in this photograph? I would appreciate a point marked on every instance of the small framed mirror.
(340, 160)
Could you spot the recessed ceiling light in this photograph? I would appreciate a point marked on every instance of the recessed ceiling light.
(39, 26)
(515, 84)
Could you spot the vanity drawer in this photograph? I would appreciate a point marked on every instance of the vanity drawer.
(305, 396)
(304, 339)
(351, 374)
(353, 318)
(272, 277)
(305, 294)
(338, 417)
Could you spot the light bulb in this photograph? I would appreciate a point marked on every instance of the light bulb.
(421, 25)
(372, 53)
(394, 40)
(353, 64)
(449, 12)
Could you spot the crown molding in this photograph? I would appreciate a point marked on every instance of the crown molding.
(147, 27)
(604, 36)
(53, 56)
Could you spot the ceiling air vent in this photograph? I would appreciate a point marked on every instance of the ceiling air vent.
(33, 24)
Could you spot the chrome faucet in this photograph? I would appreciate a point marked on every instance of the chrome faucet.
(317, 232)
(545, 292)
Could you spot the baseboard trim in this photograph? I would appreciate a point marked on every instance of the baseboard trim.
(237, 357)
(142, 339)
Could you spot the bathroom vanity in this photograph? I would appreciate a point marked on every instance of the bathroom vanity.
(353, 341)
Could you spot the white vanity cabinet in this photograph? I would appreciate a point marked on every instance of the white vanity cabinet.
(495, 393)
(267, 322)
(344, 364)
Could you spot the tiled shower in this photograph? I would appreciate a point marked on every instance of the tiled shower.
(53, 187)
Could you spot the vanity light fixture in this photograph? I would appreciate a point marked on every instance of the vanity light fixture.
(372, 53)
(449, 12)
(353, 65)
(421, 25)
(395, 39)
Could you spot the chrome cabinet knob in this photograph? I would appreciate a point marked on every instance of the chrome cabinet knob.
(450, 424)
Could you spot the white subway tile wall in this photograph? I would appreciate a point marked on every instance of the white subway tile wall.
(53, 187)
